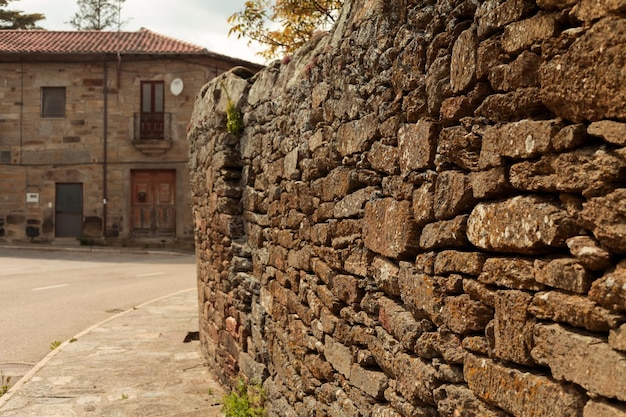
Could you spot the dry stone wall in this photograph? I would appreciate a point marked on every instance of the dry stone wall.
(424, 215)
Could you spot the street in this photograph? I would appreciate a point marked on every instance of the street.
(49, 296)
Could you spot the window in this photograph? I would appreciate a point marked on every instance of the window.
(53, 102)
(152, 110)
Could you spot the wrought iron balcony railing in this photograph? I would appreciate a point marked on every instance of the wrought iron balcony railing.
(153, 126)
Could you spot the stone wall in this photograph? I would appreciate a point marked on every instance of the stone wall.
(424, 215)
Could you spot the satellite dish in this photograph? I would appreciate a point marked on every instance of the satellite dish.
(176, 86)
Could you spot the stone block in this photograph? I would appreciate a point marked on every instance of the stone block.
(253, 370)
(522, 72)
(318, 367)
(339, 356)
(494, 14)
(573, 309)
(447, 372)
(420, 293)
(290, 164)
(373, 383)
(445, 234)
(353, 204)
(566, 274)
(523, 224)
(489, 55)
(582, 359)
(385, 275)
(581, 171)
(457, 400)
(346, 288)
(477, 291)
(599, 408)
(415, 103)
(417, 144)
(399, 322)
(384, 158)
(329, 300)
(521, 394)
(491, 183)
(516, 105)
(383, 348)
(423, 204)
(441, 344)
(359, 260)
(408, 67)
(513, 327)
(610, 290)
(604, 216)
(396, 187)
(612, 132)
(388, 228)
(556, 4)
(584, 81)
(458, 146)
(453, 195)
(425, 262)
(523, 34)
(315, 168)
(468, 263)
(438, 84)
(357, 136)
(590, 10)
(569, 137)
(617, 338)
(453, 109)
(465, 316)
(338, 183)
(416, 378)
(384, 411)
(476, 344)
(463, 63)
(519, 140)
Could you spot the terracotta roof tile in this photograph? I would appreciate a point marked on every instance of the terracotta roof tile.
(89, 42)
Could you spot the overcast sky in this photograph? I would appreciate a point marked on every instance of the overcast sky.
(201, 22)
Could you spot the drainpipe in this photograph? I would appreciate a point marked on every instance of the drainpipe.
(105, 150)
(21, 111)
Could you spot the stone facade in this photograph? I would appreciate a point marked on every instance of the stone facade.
(96, 144)
(424, 215)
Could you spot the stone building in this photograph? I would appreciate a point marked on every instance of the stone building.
(93, 134)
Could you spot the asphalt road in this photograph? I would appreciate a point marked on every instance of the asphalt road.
(48, 296)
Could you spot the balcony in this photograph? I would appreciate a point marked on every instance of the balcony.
(152, 133)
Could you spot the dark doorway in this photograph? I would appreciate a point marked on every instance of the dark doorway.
(153, 203)
(69, 210)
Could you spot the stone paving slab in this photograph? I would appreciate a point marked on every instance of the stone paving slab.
(133, 365)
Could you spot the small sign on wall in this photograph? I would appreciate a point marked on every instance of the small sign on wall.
(32, 197)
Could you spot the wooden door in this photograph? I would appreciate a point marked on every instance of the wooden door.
(153, 203)
(69, 210)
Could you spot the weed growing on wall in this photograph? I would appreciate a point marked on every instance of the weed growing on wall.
(4, 383)
(245, 401)
(234, 121)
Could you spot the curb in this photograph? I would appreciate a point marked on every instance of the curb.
(91, 249)
(15, 388)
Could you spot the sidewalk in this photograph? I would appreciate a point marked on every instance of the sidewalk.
(132, 365)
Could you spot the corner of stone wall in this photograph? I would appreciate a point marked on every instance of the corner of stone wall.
(225, 284)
